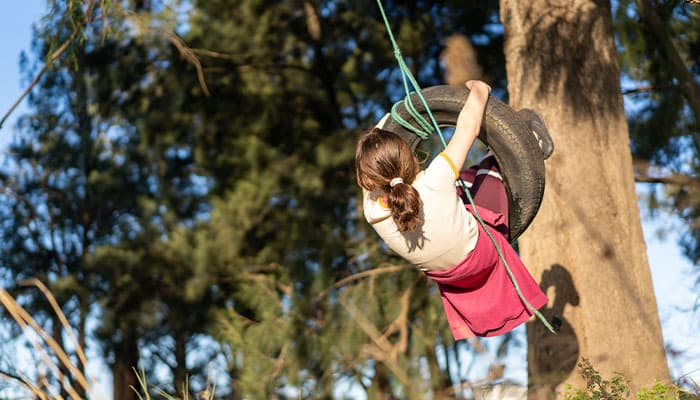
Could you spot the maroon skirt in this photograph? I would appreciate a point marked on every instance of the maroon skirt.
(478, 295)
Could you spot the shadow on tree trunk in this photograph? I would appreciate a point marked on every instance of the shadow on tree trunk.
(551, 359)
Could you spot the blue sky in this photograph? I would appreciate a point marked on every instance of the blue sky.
(672, 274)
(16, 21)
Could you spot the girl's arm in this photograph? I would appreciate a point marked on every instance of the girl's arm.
(468, 122)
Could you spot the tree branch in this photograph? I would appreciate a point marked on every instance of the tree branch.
(677, 179)
(371, 273)
(649, 88)
(77, 28)
(400, 324)
(24, 382)
(688, 85)
(186, 52)
(382, 347)
(642, 175)
(37, 78)
(245, 62)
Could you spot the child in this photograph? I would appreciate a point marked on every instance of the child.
(420, 216)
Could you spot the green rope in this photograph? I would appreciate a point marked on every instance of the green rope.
(407, 78)
(395, 115)
(431, 127)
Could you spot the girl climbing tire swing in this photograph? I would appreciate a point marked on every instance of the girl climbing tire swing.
(463, 246)
(484, 286)
(505, 132)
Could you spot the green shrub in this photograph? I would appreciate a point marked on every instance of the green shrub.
(617, 388)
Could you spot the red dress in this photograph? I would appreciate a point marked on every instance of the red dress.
(478, 296)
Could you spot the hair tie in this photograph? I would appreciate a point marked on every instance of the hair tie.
(395, 182)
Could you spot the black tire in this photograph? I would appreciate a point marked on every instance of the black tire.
(505, 133)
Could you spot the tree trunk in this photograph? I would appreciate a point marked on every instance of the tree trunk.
(586, 245)
(63, 377)
(381, 383)
(126, 357)
(180, 370)
(440, 381)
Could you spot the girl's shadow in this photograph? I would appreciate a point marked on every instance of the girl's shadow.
(552, 358)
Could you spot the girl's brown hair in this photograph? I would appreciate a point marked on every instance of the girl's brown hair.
(382, 156)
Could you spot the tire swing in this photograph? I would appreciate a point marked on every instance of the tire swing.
(507, 133)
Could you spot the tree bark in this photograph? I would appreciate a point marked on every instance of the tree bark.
(586, 245)
(381, 384)
(64, 377)
(441, 383)
(180, 370)
(126, 357)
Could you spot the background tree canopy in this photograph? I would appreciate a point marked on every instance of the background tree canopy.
(184, 179)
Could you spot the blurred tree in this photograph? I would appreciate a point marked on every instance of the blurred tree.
(587, 242)
(307, 307)
(154, 305)
(89, 198)
(66, 188)
(661, 41)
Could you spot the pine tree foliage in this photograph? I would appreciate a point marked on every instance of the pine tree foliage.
(66, 189)
(284, 226)
(90, 198)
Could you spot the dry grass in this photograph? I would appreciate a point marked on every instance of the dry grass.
(57, 361)
(143, 393)
(52, 355)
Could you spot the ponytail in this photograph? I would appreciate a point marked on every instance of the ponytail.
(405, 205)
(385, 161)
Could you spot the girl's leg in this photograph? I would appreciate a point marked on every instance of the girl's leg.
(486, 186)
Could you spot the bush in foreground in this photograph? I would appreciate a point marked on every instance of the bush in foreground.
(617, 388)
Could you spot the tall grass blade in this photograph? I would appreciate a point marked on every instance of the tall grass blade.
(61, 316)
